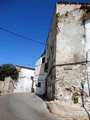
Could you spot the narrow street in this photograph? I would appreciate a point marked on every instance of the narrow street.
(23, 107)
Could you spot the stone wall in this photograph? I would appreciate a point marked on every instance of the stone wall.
(69, 79)
(7, 85)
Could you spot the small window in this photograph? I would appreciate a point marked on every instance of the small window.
(46, 67)
(43, 60)
(39, 84)
(32, 77)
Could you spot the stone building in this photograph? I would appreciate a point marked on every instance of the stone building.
(68, 52)
(40, 75)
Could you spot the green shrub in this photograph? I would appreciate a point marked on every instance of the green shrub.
(7, 70)
(75, 97)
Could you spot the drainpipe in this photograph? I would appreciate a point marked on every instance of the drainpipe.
(88, 78)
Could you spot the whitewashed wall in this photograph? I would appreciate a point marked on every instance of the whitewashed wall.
(40, 76)
(24, 83)
(40, 90)
(87, 34)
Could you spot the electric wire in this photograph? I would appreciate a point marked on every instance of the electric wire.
(16, 34)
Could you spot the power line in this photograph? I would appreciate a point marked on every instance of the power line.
(29, 39)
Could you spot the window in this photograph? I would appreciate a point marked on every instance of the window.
(43, 60)
(39, 84)
(46, 67)
(32, 77)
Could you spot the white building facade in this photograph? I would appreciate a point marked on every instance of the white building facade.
(25, 80)
(40, 75)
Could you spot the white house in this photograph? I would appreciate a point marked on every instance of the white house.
(40, 75)
(26, 79)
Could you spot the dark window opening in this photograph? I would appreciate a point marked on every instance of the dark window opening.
(32, 77)
(43, 60)
(46, 67)
(39, 84)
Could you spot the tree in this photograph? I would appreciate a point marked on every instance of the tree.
(7, 70)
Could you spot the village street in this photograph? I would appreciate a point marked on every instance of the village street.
(24, 106)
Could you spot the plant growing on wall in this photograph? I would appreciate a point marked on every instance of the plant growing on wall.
(75, 97)
(7, 70)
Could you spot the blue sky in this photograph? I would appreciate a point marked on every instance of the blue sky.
(29, 18)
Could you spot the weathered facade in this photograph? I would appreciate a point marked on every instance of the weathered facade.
(68, 52)
(40, 75)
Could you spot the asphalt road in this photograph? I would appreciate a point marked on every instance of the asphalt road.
(24, 106)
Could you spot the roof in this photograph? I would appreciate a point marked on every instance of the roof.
(25, 67)
(76, 3)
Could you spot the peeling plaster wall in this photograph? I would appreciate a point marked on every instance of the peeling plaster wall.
(70, 40)
(70, 68)
(70, 48)
(68, 81)
(63, 8)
